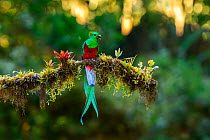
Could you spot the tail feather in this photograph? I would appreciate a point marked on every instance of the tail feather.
(89, 83)
(93, 100)
(87, 104)
(91, 90)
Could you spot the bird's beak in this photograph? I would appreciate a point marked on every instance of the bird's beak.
(99, 37)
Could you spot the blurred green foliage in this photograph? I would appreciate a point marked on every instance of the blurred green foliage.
(34, 29)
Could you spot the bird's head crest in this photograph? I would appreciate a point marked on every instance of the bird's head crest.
(94, 34)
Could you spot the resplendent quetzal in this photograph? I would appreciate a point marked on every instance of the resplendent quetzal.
(90, 49)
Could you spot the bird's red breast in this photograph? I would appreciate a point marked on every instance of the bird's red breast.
(89, 53)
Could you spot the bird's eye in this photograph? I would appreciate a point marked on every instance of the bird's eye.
(94, 34)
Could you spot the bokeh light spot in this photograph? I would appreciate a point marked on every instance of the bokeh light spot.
(93, 4)
(5, 6)
(204, 36)
(206, 10)
(198, 7)
(4, 41)
(126, 26)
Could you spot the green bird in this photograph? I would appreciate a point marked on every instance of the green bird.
(90, 49)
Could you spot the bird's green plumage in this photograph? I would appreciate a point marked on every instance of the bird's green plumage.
(92, 42)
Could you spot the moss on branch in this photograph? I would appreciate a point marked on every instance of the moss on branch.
(52, 81)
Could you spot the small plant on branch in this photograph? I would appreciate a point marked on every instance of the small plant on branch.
(118, 53)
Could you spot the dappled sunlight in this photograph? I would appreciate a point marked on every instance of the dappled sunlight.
(85, 12)
(127, 12)
(198, 7)
(93, 4)
(179, 20)
(5, 6)
(182, 12)
(206, 10)
(206, 25)
(77, 9)
(133, 10)
(175, 10)
(4, 41)
(127, 25)
(81, 13)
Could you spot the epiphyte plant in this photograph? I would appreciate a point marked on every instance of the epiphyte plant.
(118, 53)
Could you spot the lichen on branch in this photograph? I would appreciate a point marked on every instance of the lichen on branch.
(51, 81)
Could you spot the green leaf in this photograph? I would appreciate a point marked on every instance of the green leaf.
(118, 53)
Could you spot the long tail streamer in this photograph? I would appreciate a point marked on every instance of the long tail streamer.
(89, 84)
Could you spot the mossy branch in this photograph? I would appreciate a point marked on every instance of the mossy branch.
(52, 81)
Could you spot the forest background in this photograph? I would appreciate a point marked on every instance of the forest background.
(173, 33)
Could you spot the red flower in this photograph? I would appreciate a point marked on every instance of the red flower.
(63, 56)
